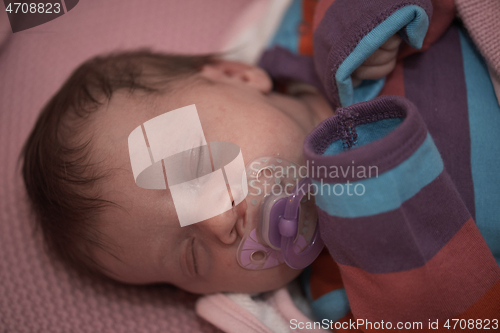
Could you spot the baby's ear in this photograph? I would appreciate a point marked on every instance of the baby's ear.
(232, 72)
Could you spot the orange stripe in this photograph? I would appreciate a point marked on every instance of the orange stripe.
(446, 286)
(487, 307)
(321, 9)
(306, 31)
(325, 276)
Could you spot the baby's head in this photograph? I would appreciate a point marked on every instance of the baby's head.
(78, 173)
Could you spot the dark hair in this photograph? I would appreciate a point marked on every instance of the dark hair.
(60, 176)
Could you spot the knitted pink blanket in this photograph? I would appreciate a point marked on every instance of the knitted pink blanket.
(37, 294)
(482, 20)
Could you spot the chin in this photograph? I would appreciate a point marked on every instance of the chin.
(251, 283)
(270, 281)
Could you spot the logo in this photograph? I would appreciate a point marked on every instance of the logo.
(28, 14)
(204, 180)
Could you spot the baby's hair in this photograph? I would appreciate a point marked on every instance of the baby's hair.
(60, 178)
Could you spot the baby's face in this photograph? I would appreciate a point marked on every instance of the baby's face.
(235, 105)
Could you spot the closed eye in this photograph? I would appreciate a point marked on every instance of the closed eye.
(194, 257)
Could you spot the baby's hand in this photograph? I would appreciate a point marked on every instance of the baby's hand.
(380, 63)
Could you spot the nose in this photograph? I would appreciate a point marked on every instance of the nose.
(228, 225)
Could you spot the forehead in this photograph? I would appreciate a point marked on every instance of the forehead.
(125, 111)
(110, 130)
(115, 121)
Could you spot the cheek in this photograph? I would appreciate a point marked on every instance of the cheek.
(228, 261)
(227, 275)
(271, 136)
(259, 123)
(224, 262)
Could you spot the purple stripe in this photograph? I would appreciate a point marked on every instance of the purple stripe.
(281, 64)
(345, 23)
(435, 82)
(401, 239)
(385, 153)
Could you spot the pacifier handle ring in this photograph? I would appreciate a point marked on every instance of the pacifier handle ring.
(288, 229)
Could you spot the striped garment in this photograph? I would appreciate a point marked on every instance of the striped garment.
(408, 186)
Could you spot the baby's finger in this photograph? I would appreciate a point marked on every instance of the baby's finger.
(381, 57)
(374, 72)
(392, 43)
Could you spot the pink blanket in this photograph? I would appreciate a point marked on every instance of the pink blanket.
(36, 294)
(482, 20)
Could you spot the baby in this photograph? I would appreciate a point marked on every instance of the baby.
(78, 174)
(401, 250)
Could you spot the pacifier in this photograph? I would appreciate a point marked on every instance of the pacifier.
(283, 214)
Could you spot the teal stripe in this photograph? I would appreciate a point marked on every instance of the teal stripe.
(414, 18)
(287, 35)
(331, 306)
(484, 121)
(383, 193)
(368, 89)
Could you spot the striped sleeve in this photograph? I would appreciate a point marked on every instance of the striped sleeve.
(406, 246)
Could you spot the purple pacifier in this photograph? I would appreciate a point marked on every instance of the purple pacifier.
(283, 214)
